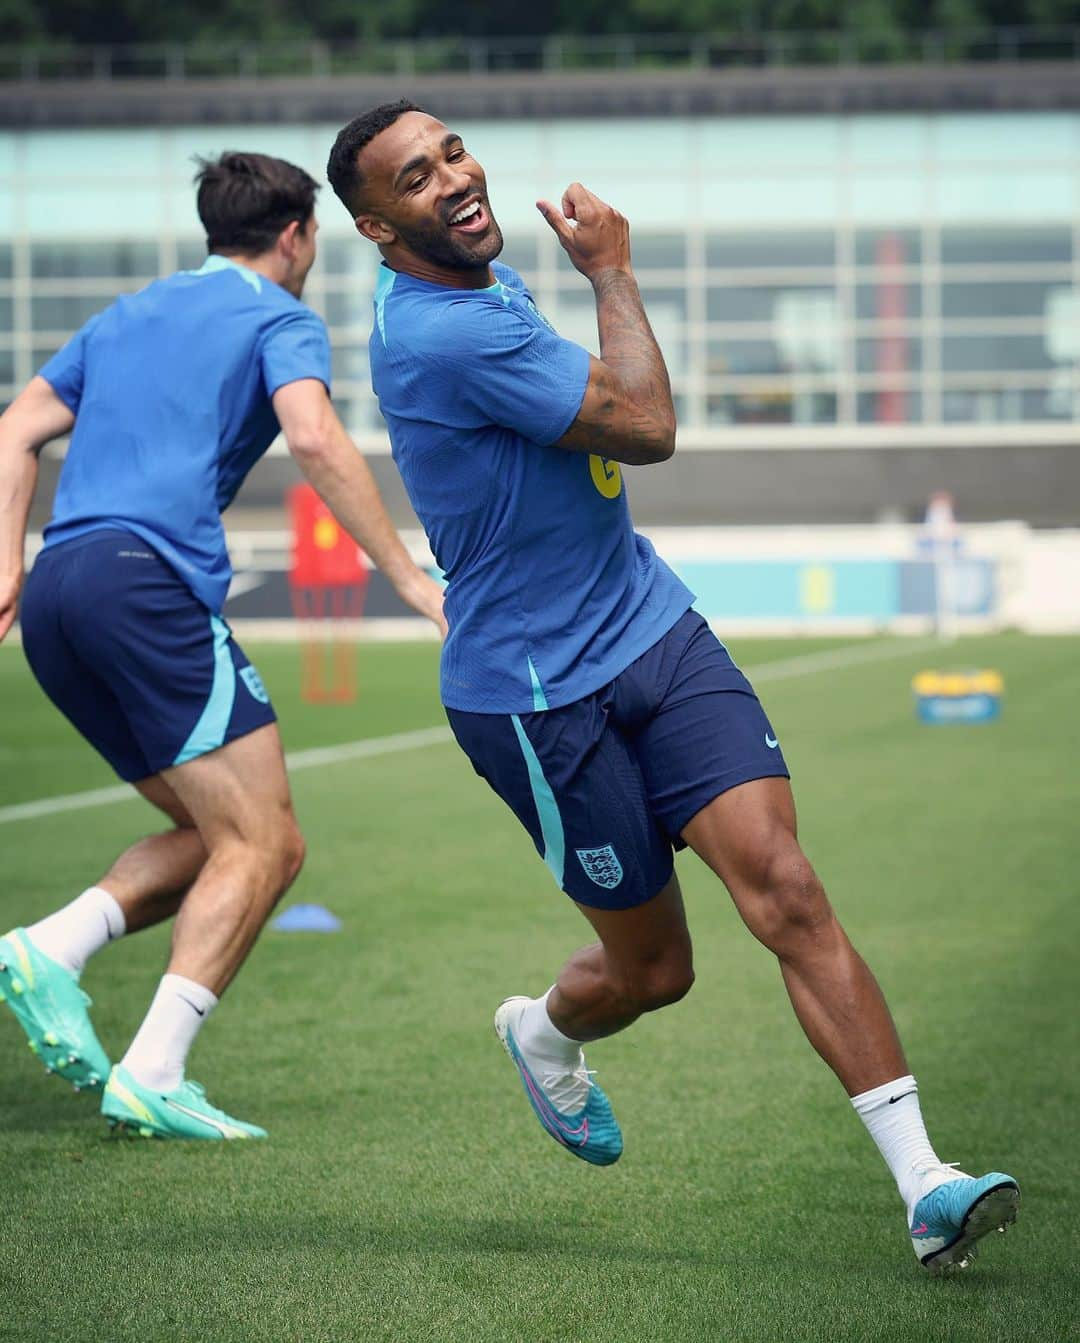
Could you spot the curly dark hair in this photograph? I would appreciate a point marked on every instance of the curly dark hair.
(341, 168)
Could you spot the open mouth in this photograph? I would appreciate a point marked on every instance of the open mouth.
(471, 218)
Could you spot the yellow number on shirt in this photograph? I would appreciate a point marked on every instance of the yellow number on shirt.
(606, 475)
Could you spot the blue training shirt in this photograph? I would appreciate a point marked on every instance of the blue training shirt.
(171, 391)
(550, 592)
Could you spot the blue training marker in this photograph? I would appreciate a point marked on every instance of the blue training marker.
(306, 919)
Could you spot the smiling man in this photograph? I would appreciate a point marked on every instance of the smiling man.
(576, 677)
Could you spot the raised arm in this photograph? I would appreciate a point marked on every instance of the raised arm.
(330, 460)
(35, 416)
(627, 413)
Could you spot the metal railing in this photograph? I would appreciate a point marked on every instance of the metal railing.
(566, 53)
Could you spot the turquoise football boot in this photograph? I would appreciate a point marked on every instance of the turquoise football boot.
(590, 1130)
(51, 1008)
(182, 1113)
(946, 1222)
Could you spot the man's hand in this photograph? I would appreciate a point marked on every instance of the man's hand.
(627, 413)
(330, 460)
(594, 235)
(10, 586)
(35, 416)
(423, 594)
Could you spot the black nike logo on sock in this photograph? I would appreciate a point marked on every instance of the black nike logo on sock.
(894, 1099)
(201, 1011)
(108, 928)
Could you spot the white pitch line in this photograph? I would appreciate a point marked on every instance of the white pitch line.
(296, 760)
(833, 659)
(836, 659)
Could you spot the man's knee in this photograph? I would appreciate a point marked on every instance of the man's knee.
(286, 855)
(790, 904)
(294, 854)
(272, 853)
(661, 982)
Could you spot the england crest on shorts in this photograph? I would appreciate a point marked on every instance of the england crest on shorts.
(254, 683)
(602, 867)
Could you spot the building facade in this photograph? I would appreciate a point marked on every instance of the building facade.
(893, 281)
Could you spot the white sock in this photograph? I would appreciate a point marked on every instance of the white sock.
(894, 1120)
(72, 935)
(157, 1055)
(554, 1058)
(541, 1039)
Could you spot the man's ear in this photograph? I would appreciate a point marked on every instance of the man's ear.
(288, 239)
(375, 230)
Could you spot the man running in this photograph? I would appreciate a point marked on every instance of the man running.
(575, 675)
(171, 395)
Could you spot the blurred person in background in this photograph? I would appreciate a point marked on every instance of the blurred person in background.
(171, 395)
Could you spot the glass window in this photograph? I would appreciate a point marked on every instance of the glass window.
(575, 320)
(348, 256)
(519, 252)
(359, 414)
(887, 300)
(894, 354)
(736, 251)
(7, 366)
(70, 259)
(6, 314)
(349, 362)
(887, 248)
(575, 317)
(670, 302)
(888, 405)
(1058, 401)
(735, 303)
(5, 261)
(741, 358)
(1018, 298)
(44, 351)
(782, 405)
(992, 353)
(66, 312)
(971, 246)
(666, 309)
(190, 253)
(658, 251)
(349, 307)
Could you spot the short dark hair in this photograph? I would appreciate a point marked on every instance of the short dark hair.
(245, 200)
(341, 170)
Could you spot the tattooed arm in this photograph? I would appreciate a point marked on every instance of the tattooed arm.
(627, 413)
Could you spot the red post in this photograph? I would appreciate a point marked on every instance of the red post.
(892, 347)
(328, 579)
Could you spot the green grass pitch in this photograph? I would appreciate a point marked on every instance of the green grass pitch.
(408, 1194)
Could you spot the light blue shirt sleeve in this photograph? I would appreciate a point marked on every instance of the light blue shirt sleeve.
(507, 367)
(65, 372)
(295, 347)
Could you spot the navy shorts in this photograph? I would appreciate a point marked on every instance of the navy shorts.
(606, 785)
(124, 649)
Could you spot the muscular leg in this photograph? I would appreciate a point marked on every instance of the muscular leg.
(149, 880)
(642, 962)
(748, 837)
(238, 798)
(144, 886)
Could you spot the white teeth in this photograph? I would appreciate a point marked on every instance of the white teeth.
(467, 213)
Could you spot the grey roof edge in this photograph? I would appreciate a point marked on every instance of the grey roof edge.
(986, 87)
